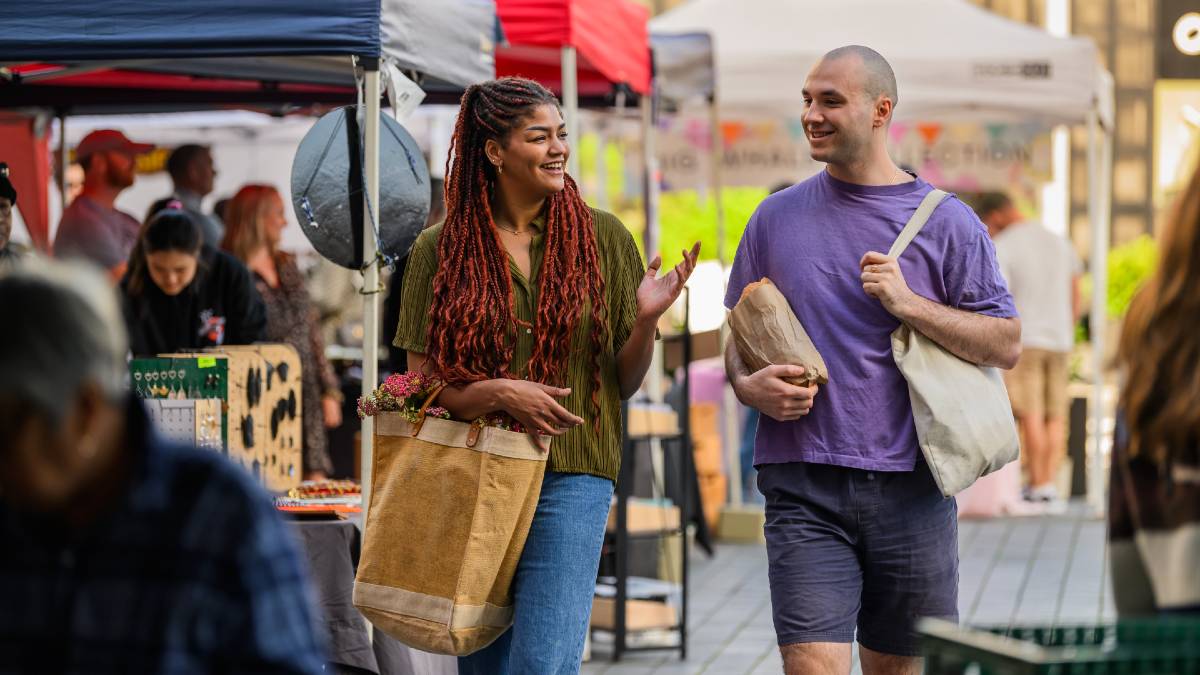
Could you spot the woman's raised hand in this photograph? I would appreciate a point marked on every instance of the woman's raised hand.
(656, 294)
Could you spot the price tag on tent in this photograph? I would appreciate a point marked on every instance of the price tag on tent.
(206, 362)
(404, 95)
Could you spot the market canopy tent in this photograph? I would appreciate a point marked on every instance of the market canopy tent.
(609, 37)
(74, 36)
(138, 55)
(159, 55)
(951, 58)
(577, 48)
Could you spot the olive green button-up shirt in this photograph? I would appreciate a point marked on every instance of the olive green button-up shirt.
(581, 449)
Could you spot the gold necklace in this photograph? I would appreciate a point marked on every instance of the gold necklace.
(509, 230)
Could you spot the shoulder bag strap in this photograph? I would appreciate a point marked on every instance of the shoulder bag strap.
(918, 220)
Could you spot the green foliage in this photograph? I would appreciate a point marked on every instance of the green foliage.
(1129, 265)
(686, 219)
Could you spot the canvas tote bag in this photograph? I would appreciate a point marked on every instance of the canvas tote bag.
(962, 412)
(449, 513)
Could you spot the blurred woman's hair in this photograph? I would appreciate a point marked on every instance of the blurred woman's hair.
(245, 221)
(169, 229)
(1160, 344)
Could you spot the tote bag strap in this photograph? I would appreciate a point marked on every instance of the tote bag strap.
(425, 407)
(918, 220)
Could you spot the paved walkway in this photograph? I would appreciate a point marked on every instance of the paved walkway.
(1012, 570)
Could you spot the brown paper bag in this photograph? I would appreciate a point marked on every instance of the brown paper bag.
(767, 333)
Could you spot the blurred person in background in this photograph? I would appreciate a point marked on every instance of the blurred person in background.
(10, 252)
(1042, 271)
(74, 182)
(1154, 493)
(92, 227)
(125, 553)
(181, 294)
(192, 173)
(253, 229)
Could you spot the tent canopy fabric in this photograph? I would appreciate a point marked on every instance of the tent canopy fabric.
(24, 146)
(952, 59)
(683, 65)
(80, 30)
(131, 55)
(610, 37)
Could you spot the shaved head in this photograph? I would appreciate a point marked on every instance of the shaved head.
(878, 80)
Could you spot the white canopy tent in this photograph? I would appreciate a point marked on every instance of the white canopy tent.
(953, 62)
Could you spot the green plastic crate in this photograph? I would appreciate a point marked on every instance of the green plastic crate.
(1159, 646)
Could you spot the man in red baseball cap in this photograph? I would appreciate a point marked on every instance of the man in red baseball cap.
(92, 228)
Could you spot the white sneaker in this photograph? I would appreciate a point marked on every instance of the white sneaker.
(1044, 493)
(1047, 496)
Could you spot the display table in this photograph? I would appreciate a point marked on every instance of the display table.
(331, 548)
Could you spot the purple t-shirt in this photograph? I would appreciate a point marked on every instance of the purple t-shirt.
(808, 240)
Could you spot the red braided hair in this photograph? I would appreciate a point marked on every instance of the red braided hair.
(473, 326)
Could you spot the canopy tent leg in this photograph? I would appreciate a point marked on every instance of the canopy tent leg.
(1099, 159)
(63, 156)
(715, 156)
(570, 101)
(370, 363)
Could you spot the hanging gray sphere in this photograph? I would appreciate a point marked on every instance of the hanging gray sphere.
(328, 185)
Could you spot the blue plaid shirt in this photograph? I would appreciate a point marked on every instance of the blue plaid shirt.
(192, 572)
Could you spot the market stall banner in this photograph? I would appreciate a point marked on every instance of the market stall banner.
(767, 151)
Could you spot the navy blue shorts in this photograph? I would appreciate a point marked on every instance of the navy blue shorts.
(851, 549)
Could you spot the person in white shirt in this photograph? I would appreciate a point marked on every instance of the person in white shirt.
(1042, 271)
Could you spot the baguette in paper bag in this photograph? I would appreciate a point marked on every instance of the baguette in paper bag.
(767, 333)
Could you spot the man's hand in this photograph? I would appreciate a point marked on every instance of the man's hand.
(779, 400)
(883, 280)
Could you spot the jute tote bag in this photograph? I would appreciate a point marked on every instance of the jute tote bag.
(450, 511)
(962, 412)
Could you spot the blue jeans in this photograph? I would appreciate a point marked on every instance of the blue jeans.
(746, 456)
(554, 584)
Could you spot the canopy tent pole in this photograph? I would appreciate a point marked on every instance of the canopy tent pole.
(370, 363)
(1099, 159)
(650, 240)
(570, 100)
(715, 157)
(63, 156)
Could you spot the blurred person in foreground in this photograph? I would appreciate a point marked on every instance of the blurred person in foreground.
(10, 252)
(1154, 494)
(125, 553)
(92, 227)
(181, 294)
(253, 231)
(860, 541)
(1042, 271)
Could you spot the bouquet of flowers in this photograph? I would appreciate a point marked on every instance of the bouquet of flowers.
(405, 393)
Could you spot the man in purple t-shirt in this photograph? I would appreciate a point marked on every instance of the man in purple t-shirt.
(858, 534)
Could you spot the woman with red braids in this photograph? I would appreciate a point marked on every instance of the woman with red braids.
(528, 302)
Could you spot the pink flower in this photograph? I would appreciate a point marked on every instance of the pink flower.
(367, 407)
(438, 411)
